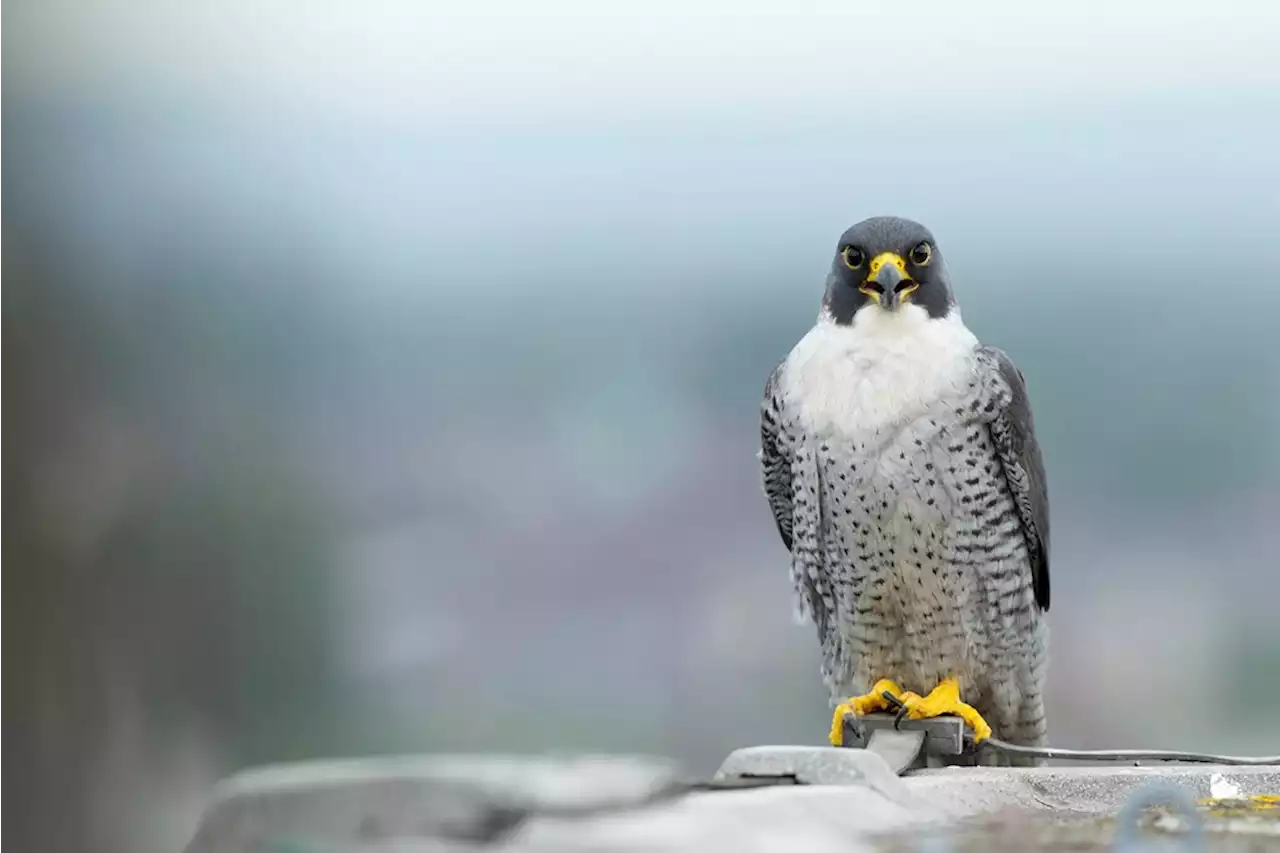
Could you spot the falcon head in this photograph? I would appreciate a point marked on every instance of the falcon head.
(887, 264)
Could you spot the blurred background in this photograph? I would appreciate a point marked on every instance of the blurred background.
(385, 377)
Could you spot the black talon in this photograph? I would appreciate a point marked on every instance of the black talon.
(897, 703)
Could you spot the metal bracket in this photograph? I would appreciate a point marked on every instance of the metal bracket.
(907, 744)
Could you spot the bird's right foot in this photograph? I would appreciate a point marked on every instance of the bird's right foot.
(867, 703)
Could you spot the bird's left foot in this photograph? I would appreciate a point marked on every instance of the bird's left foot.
(945, 699)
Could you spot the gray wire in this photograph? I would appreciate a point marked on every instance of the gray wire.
(1125, 754)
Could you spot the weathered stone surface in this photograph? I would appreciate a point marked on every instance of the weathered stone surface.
(428, 800)
(624, 804)
(816, 765)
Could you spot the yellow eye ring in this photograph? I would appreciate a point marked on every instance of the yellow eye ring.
(922, 254)
(853, 257)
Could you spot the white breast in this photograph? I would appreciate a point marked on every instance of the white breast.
(883, 369)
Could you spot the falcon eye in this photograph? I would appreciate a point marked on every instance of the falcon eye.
(853, 257)
(922, 254)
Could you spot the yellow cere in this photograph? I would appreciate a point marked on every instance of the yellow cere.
(887, 258)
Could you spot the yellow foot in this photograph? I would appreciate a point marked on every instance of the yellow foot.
(859, 705)
(945, 699)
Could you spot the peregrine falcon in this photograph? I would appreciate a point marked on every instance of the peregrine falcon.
(900, 461)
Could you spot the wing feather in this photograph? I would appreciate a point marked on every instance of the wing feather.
(1014, 436)
(775, 459)
(813, 593)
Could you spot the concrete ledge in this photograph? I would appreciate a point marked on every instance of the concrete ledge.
(448, 798)
(815, 765)
(449, 803)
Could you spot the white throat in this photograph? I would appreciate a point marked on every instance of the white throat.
(883, 369)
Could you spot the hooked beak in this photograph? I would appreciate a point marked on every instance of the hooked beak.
(888, 284)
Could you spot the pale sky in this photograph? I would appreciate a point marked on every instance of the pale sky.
(496, 60)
